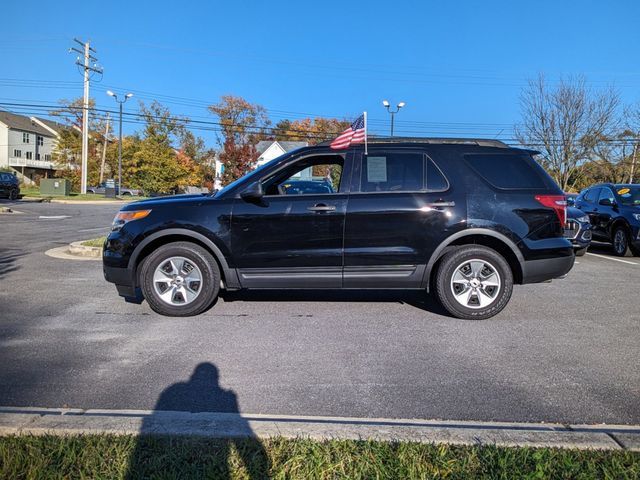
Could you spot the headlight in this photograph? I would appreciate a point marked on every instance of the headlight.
(583, 219)
(129, 216)
(636, 216)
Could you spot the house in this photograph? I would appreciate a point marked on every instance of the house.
(26, 145)
(270, 149)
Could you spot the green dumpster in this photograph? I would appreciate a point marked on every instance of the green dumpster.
(55, 186)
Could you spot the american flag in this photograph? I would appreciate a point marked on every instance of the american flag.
(356, 133)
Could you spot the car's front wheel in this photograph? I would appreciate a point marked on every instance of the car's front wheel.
(474, 282)
(13, 194)
(620, 242)
(180, 279)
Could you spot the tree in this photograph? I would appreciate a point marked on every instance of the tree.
(566, 124)
(243, 121)
(155, 163)
(243, 124)
(311, 131)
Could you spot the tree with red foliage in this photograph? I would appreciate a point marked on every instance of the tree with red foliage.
(238, 160)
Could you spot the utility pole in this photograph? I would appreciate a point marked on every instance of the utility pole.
(633, 157)
(87, 69)
(104, 149)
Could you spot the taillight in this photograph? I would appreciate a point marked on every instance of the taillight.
(558, 203)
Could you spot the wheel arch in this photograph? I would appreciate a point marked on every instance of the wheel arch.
(171, 235)
(477, 236)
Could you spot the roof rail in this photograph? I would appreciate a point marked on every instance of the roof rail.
(483, 142)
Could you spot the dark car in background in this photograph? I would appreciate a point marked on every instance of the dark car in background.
(463, 218)
(305, 187)
(578, 230)
(9, 185)
(614, 212)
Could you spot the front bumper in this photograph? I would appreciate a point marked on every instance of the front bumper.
(578, 233)
(123, 280)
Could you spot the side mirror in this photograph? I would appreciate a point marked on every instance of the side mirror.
(606, 202)
(252, 192)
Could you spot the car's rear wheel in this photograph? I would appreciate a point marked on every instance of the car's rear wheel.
(180, 279)
(474, 282)
(13, 194)
(581, 251)
(620, 241)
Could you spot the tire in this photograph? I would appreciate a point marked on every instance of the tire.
(470, 265)
(581, 251)
(13, 194)
(620, 242)
(171, 294)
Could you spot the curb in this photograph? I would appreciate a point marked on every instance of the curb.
(43, 421)
(76, 202)
(75, 251)
(76, 248)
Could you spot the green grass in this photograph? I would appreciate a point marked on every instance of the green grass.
(94, 242)
(35, 193)
(104, 456)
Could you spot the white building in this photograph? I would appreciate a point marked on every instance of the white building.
(26, 145)
(270, 149)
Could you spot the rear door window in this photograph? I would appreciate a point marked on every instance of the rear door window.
(392, 172)
(507, 170)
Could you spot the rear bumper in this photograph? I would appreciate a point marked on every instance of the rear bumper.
(535, 271)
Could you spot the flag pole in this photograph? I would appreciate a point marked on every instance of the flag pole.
(365, 134)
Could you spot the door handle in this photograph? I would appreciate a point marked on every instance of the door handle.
(441, 204)
(321, 207)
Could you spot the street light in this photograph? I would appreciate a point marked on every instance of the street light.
(387, 105)
(120, 102)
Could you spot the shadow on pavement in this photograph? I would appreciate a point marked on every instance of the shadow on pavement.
(8, 261)
(416, 298)
(201, 393)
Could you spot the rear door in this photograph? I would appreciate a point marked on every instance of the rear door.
(400, 208)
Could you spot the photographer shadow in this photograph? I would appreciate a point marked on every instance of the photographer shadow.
(159, 453)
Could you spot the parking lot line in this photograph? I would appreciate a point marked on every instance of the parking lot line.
(610, 258)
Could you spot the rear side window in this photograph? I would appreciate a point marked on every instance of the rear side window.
(507, 171)
(392, 172)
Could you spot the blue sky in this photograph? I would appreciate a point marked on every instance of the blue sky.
(459, 66)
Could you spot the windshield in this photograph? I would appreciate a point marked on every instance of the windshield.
(629, 195)
(246, 178)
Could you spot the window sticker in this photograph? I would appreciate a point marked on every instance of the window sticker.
(623, 191)
(376, 169)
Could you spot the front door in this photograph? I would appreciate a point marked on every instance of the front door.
(293, 236)
(400, 209)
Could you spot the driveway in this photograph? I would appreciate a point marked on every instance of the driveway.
(565, 351)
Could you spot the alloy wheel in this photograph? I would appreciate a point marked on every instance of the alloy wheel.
(475, 284)
(620, 242)
(177, 281)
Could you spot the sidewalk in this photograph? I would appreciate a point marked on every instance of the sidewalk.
(39, 421)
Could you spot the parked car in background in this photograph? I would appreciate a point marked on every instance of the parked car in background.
(465, 219)
(9, 185)
(101, 189)
(614, 212)
(578, 230)
(304, 187)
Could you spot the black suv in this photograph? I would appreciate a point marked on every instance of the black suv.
(464, 218)
(9, 185)
(614, 211)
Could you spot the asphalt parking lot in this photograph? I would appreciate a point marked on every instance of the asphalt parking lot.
(566, 351)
